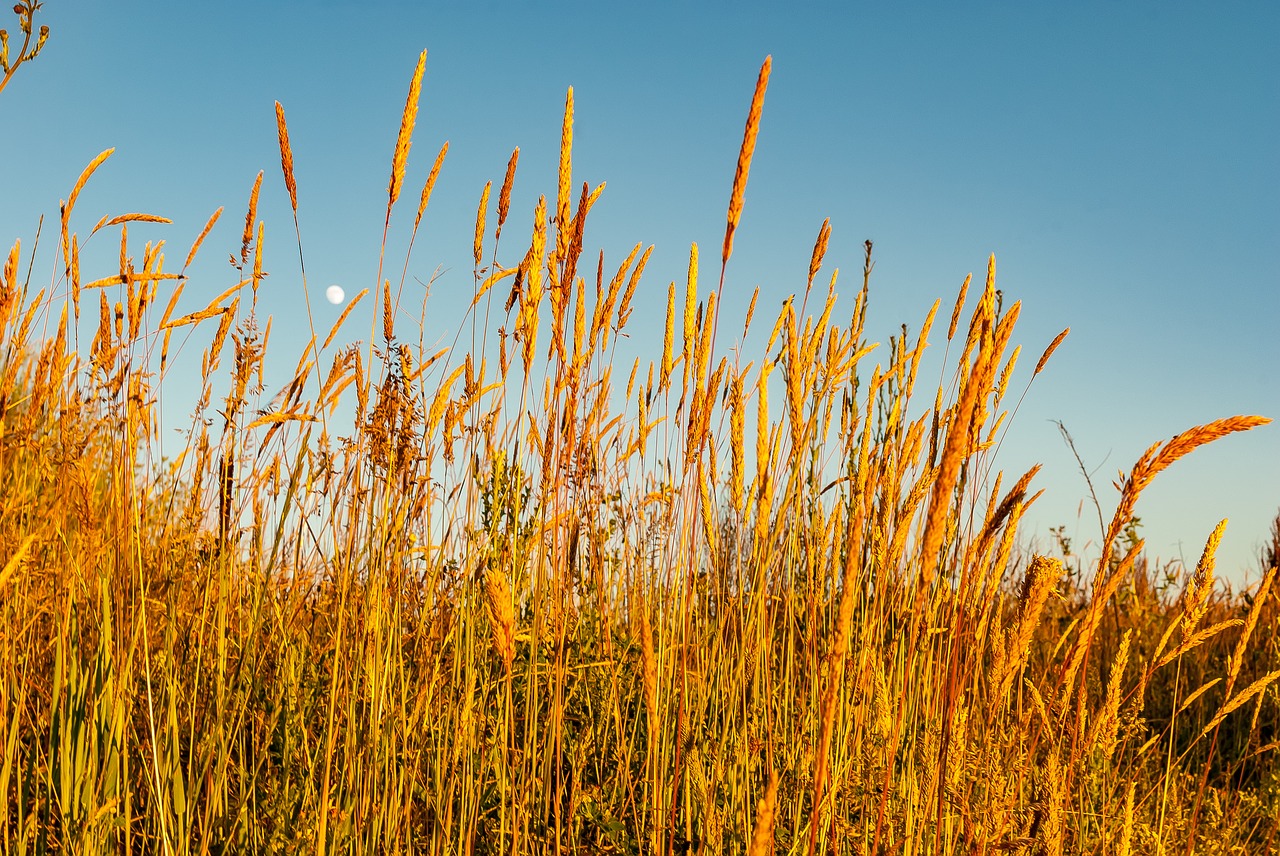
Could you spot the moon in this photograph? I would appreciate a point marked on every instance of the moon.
(334, 294)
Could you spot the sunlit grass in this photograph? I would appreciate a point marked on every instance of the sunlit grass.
(531, 599)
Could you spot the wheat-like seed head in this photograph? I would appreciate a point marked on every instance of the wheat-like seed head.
(819, 250)
(1006, 373)
(1048, 352)
(700, 411)
(337, 325)
(220, 337)
(1237, 656)
(1196, 597)
(796, 374)
(744, 158)
(247, 238)
(579, 324)
(751, 311)
(668, 338)
(777, 324)
(1192, 439)
(559, 309)
(702, 353)
(704, 505)
(576, 230)
(405, 138)
(362, 386)
(1241, 700)
(336, 370)
(955, 312)
(504, 195)
(266, 340)
(532, 297)
(921, 343)
(998, 513)
(624, 307)
(762, 416)
(60, 348)
(452, 415)
(102, 338)
(955, 450)
(1159, 456)
(736, 444)
(690, 313)
(605, 302)
(642, 417)
(1106, 725)
(71, 203)
(1040, 580)
(1004, 329)
(430, 184)
(478, 244)
(981, 322)
(388, 317)
(564, 178)
(256, 276)
(820, 328)
(500, 609)
(75, 276)
(286, 157)
(1051, 828)
(208, 226)
(600, 291)
(591, 199)
(442, 399)
(631, 378)
(124, 255)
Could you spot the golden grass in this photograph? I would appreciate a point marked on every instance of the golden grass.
(405, 138)
(492, 612)
(744, 162)
(286, 158)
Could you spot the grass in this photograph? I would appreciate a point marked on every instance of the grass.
(517, 604)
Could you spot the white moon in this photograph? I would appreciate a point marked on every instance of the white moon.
(334, 294)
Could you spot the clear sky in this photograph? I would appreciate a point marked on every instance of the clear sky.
(1121, 160)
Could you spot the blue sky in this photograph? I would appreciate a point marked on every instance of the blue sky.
(1119, 159)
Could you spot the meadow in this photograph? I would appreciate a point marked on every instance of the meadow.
(530, 599)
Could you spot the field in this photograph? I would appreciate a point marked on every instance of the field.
(512, 596)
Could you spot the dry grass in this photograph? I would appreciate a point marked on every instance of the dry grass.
(518, 612)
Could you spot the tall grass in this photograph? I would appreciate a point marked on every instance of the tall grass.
(531, 599)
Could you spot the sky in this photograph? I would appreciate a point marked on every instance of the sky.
(1120, 160)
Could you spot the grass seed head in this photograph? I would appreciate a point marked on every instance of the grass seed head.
(405, 138)
(246, 240)
(744, 158)
(504, 195)
(286, 157)
(478, 244)
(564, 178)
